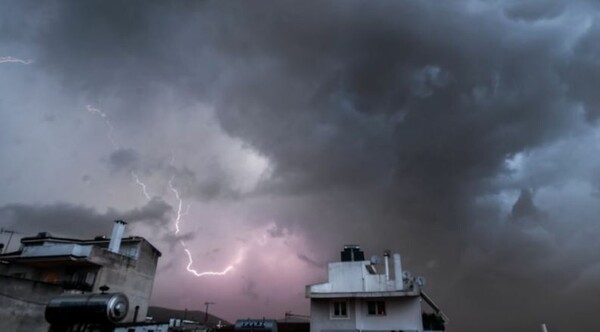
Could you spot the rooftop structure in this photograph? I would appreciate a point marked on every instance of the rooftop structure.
(357, 297)
(126, 265)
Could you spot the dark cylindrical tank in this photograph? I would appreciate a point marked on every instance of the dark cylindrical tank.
(87, 308)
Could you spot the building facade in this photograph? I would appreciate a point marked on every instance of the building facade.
(359, 298)
(59, 265)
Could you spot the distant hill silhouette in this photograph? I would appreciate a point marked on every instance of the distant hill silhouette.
(160, 314)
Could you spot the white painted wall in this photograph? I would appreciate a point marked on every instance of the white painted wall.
(320, 319)
(354, 277)
(402, 313)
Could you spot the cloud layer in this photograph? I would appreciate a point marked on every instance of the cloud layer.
(462, 134)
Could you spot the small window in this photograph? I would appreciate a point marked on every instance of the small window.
(376, 308)
(339, 309)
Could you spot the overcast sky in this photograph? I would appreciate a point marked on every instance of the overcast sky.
(462, 134)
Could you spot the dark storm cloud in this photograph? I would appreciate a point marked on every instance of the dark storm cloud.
(174, 239)
(76, 220)
(524, 208)
(124, 159)
(205, 186)
(311, 262)
(583, 68)
(540, 259)
(392, 119)
(535, 9)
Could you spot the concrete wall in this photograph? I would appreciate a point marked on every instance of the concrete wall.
(54, 275)
(354, 277)
(23, 302)
(320, 318)
(402, 313)
(133, 277)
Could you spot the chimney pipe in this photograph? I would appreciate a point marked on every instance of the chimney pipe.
(386, 257)
(117, 234)
(398, 272)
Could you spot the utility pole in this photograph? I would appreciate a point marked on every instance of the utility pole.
(207, 304)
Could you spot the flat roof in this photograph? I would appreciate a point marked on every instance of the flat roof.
(399, 293)
(97, 241)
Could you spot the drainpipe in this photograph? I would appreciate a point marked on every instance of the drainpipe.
(386, 257)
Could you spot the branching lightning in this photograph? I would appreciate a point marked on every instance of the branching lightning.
(178, 219)
(10, 59)
(141, 184)
(180, 211)
(201, 274)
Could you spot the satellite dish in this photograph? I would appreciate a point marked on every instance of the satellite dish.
(406, 275)
(421, 281)
(374, 260)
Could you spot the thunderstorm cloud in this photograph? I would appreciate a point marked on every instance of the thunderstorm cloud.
(462, 134)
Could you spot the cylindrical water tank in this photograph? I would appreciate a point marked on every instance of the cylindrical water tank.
(87, 308)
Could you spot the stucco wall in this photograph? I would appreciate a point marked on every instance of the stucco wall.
(320, 319)
(134, 278)
(402, 313)
(22, 304)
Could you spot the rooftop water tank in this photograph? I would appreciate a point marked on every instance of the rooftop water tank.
(87, 308)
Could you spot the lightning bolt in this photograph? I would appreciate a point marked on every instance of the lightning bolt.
(178, 219)
(141, 184)
(10, 59)
(180, 212)
(104, 116)
(179, 205)
(201, 274)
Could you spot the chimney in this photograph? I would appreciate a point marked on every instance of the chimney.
(386, 257)
(117, 235)
(398, 272)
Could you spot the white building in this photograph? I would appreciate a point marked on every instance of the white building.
(359, 298)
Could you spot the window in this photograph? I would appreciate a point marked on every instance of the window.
(376, 308)
(339, 309)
